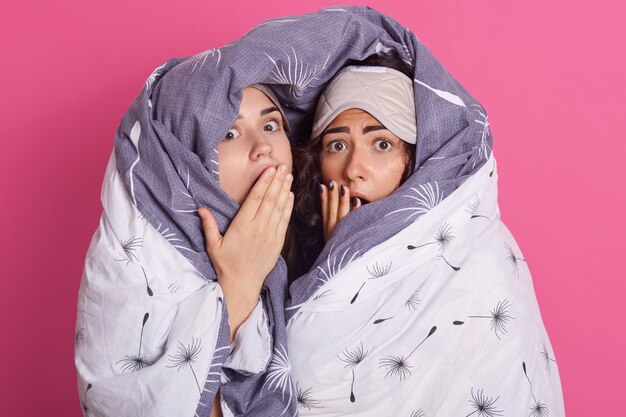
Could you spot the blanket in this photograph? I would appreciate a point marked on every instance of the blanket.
(421, 303)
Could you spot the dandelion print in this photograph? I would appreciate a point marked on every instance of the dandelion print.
(353, 358)
(298, 75)
(134, 363)
(537, 409)
(443, 238)
(414, 301)
(304, 398)
(499, 318)
(334, 265)
(398, 366)
(278, 376)
(546, 357)
(418, 413)
(83, 402)
(426, 197)
(512, 258)
(148, 289)
(80, 336)
(186, 356)
(129, 247)
(375, 273)
(483, 405)
(483, 120)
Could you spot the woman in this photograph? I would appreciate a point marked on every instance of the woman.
(154, 336)
(420, 302)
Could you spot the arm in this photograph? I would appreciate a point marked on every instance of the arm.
(250, 248)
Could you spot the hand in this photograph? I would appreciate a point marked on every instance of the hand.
(336, 205)
(249, 249)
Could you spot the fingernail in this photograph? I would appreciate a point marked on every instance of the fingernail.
(331, 185)
(272, 171)
(283, 168)
(353, 201)
(342, 191)
(321, 188)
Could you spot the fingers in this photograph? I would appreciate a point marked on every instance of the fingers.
(211, 230)
(281, 203)
(253, 201)
(286, 216)
(344, 202)
(273, 194)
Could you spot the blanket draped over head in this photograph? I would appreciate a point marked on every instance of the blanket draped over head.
(152, 333)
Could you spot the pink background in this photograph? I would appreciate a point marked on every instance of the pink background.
(550, 73)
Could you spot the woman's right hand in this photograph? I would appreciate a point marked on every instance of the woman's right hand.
(250, 248)
(336, 204)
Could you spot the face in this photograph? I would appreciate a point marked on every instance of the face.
(361, 154)
(256, 141)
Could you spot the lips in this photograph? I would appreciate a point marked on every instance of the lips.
(360, 196)
(257, 172)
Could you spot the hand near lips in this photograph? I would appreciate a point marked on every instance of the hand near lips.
(249, 249)
(336, 204)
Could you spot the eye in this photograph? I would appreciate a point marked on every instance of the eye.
(383, 145)
(271, 126)
(232, 134)
(336, 146)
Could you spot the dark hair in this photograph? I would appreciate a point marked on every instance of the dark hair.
(305, 236)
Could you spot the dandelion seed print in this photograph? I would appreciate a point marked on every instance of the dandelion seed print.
(197, 61)
(305, 399)
(537, 409)
(80, 336)
(426, 197)
(472, 205)
(83, 402)
(472, 208)
(483, 120)
(186, 356)
(398, 366)
(278, 375)
(375, 272)
(152, 78)
(173, 288)
(148, 289)
(443, 238)
(129, 247)
(483, 405)
(298, 75)
(547, 359)
(378, 321)
(352, 358)
(134, 363)
(418, 413)
(414, 301)
(334, 264)
(499, 318)
(512, 258)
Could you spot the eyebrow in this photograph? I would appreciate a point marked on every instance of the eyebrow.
(366, 129)
(262, 112)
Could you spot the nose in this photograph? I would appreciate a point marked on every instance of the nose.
(357, 167)
(261, 146)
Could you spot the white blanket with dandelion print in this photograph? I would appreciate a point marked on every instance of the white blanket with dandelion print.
(148, 322)
(439, 320)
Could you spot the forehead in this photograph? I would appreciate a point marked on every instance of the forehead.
(253, 99)
(354, 116)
